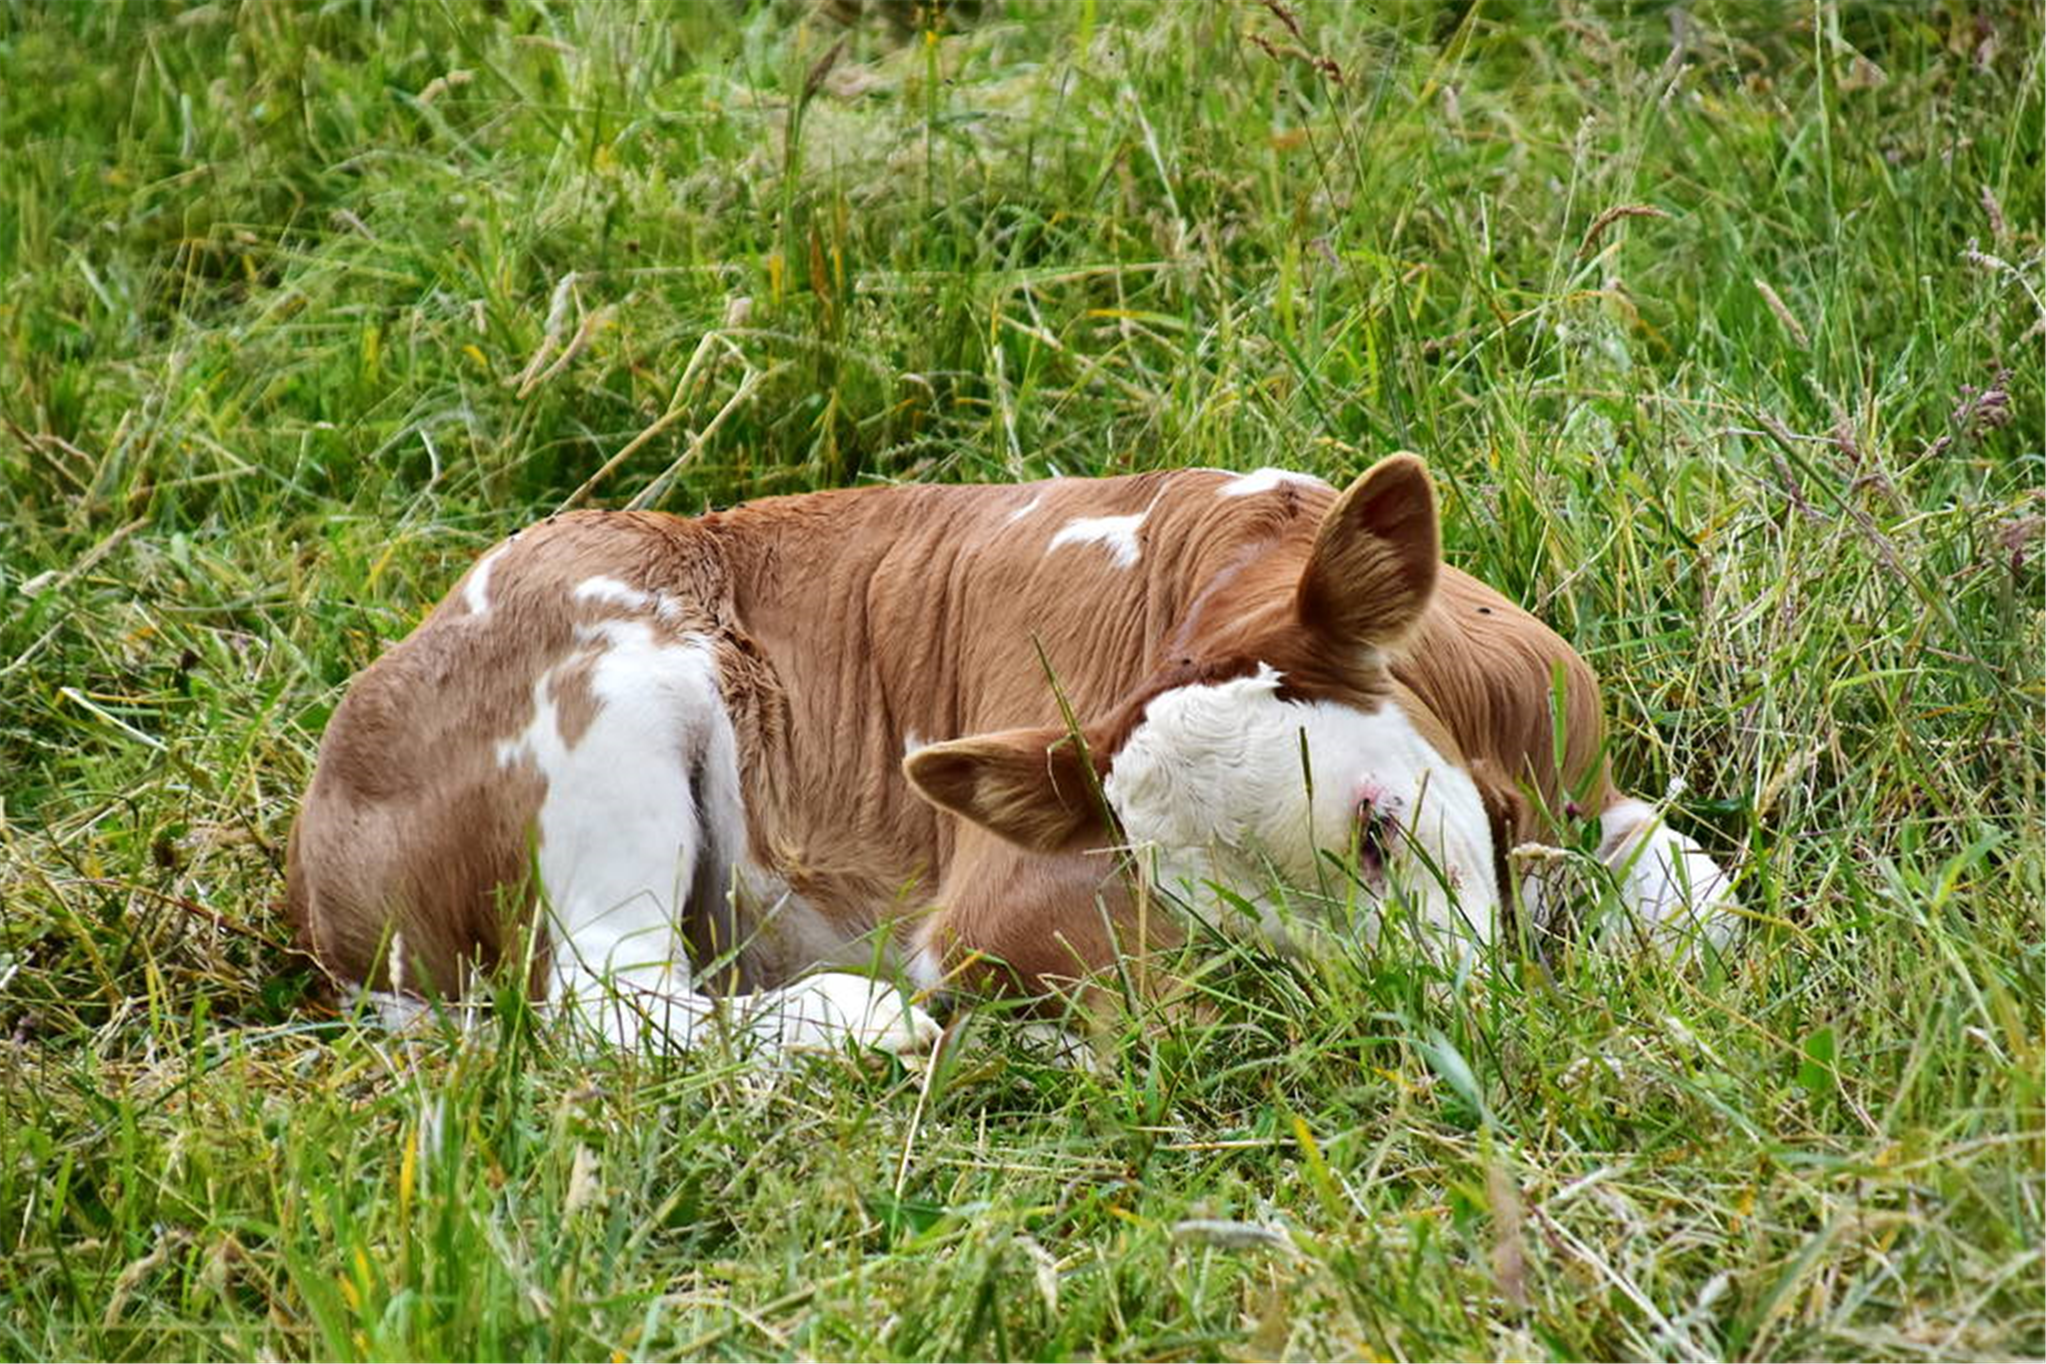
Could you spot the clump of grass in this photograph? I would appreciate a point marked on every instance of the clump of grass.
(1721, 328)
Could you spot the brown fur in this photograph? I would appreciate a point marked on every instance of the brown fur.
(846, 622)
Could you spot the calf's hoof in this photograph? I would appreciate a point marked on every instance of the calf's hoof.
(825, 1011)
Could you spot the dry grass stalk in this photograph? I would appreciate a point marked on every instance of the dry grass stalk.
(1611, 216)
(1782, 311)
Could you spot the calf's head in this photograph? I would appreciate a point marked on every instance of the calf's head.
(1271, 742)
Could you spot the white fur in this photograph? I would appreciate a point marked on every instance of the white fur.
(925, 971)
(618, 840)
(1028, 507)
(1212, 785)
(395, 1012)
(1266, 480)
(602, 588)
(476, 590)
(1671, 886)
(623, 838)
(1116, 534)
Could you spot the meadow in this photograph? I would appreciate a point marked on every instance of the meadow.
(1720, 324)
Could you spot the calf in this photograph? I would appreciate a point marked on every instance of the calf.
(686, 742)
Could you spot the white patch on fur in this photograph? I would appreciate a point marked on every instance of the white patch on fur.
(618, 833)
(1116, 534)
(1671, 886)
(912, 741)
(1028, 507)
(1266, 480)
(1211, 784)
(476, 588)
(612, 592)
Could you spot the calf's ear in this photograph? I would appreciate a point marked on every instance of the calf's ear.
(1372, 569)
(1031, 786)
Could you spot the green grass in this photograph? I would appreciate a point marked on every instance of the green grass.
(301, 305)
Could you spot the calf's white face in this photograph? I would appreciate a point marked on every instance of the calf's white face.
(1231, 785)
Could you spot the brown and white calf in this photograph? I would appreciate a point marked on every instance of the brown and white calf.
(817, 731)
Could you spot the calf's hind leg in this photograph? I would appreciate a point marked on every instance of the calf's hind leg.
(640, 827)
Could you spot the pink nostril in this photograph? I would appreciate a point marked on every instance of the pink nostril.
(1370, 795)
(1376, 804)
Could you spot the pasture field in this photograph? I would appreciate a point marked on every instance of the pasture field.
(1720, 323)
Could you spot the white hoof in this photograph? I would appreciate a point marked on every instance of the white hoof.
(823, 1012)
(1060, 1047)
(1672, 886)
